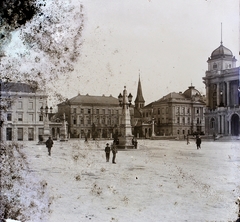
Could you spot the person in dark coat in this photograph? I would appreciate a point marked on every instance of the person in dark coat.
(49, 144)
(198, 142)
(107, 151)
(114, 151)
(188, 139)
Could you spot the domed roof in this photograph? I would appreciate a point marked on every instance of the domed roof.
(221, 51)
(191, 91)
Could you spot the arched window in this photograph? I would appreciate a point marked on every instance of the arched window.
(212, 123)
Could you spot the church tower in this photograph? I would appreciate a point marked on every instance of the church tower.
(139, 101)
(222, 114)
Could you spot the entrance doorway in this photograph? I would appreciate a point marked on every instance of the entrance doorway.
(235, 125)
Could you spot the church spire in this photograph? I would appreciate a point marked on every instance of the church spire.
(139, 101)
(221, 35)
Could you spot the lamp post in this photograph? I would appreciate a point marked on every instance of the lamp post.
(46, 129)
(63, 130)
(153, 132)
(125, 140)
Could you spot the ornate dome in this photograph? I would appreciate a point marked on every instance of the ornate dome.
(192, 92)
(221, 51)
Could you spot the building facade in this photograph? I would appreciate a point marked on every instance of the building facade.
(222, 93)
(92, 116)
(176, 114)
(21, 118)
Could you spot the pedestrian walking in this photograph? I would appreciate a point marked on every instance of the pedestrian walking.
(114, 151)
(198, 142)
(49, 144)
(188, 139)
(107, 151)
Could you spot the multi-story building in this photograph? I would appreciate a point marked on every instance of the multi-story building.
(222, 93)
(92, 116)
(21, 118)
(176, 114)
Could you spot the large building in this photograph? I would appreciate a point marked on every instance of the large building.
(175, 114)
(21, 118)
(222, 93)
(92, 116)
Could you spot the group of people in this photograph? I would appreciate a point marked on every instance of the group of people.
(114, 151)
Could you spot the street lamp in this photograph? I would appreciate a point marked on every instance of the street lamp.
(125, 101)
(46, 129)
(153, 132)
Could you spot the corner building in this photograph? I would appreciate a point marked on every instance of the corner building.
(222, 93)
(21, 119)
(176, 114)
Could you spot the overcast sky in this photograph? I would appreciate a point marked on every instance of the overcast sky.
(167, 42)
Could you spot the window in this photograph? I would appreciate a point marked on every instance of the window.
(197, 111)
(30, 105)
(82, 121)
(74, 110)
(198, 121)
(30, 133)
(20, 117)
(109, 111)
(9, 117)
(103, 111)
(188, 120)
(89, 111)
(166, 110)
(178, 120)
(212, 123)
(30, 118)
(183, 120)
(178, 109)
(40, 117)
(214, 66)
(183, 110)
(9, 104)
(20, 134)
(74, 121)
(40, 131)
(89, 120)
(188, 111)
(158, 111)
(103, 120)
(82, 111)
(19, 104)
(162, 110)
(9, 134)
(97, 111)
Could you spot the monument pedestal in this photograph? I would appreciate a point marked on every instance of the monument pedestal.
(125, 142)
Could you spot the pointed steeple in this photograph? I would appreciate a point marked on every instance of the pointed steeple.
(139, 101)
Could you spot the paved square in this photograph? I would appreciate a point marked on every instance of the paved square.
(160, 181)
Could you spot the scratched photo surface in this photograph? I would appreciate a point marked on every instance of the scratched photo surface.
(69, 48)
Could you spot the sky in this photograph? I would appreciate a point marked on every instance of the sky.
(167, 43)
(98, 47)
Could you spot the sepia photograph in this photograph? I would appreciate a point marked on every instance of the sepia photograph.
(119, 111)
